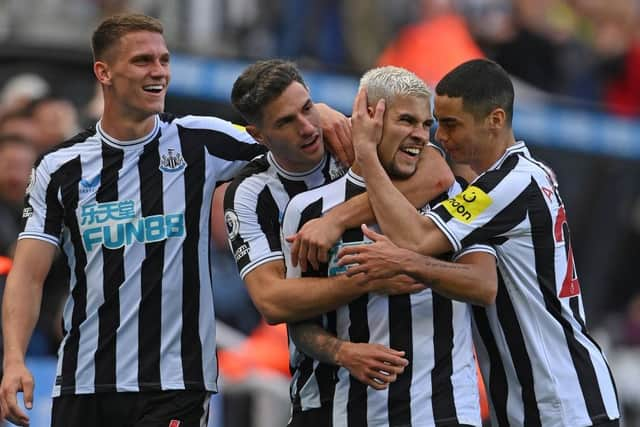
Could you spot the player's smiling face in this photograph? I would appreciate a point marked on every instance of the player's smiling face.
(461, 134)
(290, 128)
(139, 74)
(405, 133)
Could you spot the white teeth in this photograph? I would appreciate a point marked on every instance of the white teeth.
(414, 151)
(306, 144)
(153, 87)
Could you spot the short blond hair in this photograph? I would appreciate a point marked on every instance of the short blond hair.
(389, 82)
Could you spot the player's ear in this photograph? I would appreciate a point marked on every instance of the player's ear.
(497, 118)
(101, 70)
(255, 133)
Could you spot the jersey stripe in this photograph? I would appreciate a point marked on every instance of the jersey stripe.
(152, 267)
(401, 336)
(496, 381)
(292, 187)
(190, 345)
(113, 277)
(269, 219)
(517, 347)
(72, 171)
(358, 329)
(442, 401)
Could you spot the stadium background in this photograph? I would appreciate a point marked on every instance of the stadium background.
(577, 72)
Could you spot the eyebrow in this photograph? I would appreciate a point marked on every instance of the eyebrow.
(284, 119)
(148, 56)
(447, 120)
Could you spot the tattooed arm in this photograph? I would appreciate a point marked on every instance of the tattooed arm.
(371, 364)
(471, 278)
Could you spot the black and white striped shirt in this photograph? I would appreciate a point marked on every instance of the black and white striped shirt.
(538, 360)
(439, 385)
(132, 219)
(255, 202)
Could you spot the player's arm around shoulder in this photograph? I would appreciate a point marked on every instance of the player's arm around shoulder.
(20, 309)
(336, 129)
(235, 131)
(280, 299)
(472, 277)
(432, 177)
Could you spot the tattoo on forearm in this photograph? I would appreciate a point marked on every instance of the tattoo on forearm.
(315, 341)
(447, 265)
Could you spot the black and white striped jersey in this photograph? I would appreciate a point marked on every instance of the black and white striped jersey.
(439, 385)
(255, 202)
(538, 360)
(132, 220)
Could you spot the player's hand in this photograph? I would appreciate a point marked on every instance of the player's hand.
(16, 378)
(381, 259)
(397, 285)
(366, 128)
(336, 131)
(372, 364)
(311, 244)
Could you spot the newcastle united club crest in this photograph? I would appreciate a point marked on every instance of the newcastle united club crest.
(172, 161)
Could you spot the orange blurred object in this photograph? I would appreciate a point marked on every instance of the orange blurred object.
(5, 265)
(432, 48)
(484, 401)
(265, 351)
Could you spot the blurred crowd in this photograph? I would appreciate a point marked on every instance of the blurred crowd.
(586, 52)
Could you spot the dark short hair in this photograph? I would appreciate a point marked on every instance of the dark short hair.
(261, 83)
(114, 27)
(483, 86)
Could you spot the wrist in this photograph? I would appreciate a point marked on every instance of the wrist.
(367, 155)
(11, 359)
(413, 263)
(341, 348)
(337, 217)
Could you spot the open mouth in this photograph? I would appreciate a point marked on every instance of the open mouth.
(153, 88)
(412, 151)
(310, 142)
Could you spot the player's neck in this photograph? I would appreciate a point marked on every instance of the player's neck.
(493, 152)
(126, 129)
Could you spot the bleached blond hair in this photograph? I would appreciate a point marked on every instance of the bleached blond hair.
(389, 82)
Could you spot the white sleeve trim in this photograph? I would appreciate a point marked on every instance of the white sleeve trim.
(474, 248)
(455, 243)
(39, 236)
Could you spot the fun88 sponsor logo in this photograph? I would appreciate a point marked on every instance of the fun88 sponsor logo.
(114, 225)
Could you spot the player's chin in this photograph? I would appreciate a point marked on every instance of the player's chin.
(404, 171)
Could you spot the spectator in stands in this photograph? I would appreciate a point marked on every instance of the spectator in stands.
(20, 90)
(513, 36)
(56, 119)
(312, 30)
(19, 123)
(17, 156)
